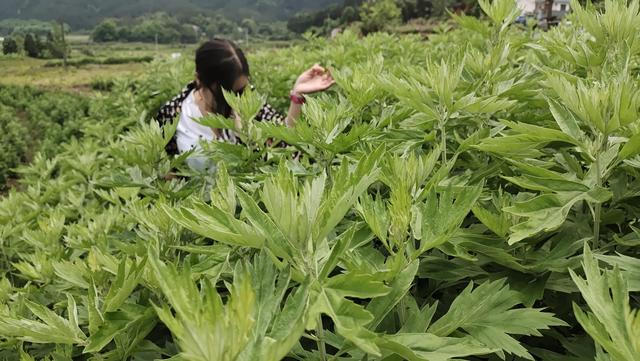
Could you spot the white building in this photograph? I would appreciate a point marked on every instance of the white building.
(528, 7)
(536, 7)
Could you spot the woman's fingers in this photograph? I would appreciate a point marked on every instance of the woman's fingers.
(316, 69)
(328, 77)
(316, 78)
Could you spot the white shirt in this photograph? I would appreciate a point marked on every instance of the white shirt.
(190, 133)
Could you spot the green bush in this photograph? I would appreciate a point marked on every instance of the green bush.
(33, 46)
(106, 30)
(102, 61)
(102, 84)
(125, 60)
(378, 15)
(13, 144)
(35, 121)
(10, 46)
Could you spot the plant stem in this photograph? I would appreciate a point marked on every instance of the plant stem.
(443, 140)
(320, 336)
(596, 226)
(598, 209)
(327, 167)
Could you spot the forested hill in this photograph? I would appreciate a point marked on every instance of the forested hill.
(87, 13)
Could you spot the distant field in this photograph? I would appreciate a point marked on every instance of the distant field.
(32, 72)
(21, 70)
(89, 58)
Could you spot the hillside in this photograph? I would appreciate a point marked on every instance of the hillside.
(86, 13)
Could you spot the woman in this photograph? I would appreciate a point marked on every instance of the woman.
(220, 64)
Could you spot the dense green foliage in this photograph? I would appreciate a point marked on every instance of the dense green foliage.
(370, 16)
(85, 14)
(34, 121)
(379, 15)
(159, 26)
(344, 13)
(471, 197)
(17, 27)
(33, 46)
(56, 42)
(170, 29)
(10, 46)
(46, 40)
(104, 61)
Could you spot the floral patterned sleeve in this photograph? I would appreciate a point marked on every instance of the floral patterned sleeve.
(268, 114)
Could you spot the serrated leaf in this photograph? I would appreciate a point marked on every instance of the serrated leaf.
(611, 323)
(487, 314)
(631, 148)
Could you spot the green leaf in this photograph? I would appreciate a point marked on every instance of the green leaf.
(204, 327)
(565, 120)
(437, 219)
(288, 326)
(276, 238)
(339, 247)
(498, 222)
(611, 323)
(552, 135)
(414, 318)
(347, 187)
(117, 323)
(124, 284)
(357, 285)
(214, 223)
(374, 212)
(629, 267)
(547, 184)
(399, 286)
(53, 329)
(514, 146)
(277, 328)
(487, 314)
(429, 347)
(350, 319)
(631, 148)
(548, 212)
(72, 272)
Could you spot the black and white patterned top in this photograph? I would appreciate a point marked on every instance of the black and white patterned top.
(173, 108)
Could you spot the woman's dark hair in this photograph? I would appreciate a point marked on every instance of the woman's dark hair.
(219, 63)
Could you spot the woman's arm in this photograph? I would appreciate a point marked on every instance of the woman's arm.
(312, 80)
(294, 111)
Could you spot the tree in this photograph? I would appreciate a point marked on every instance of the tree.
(32, 46)
(378, 15)
(107, 30)
(408, 9)
(300, 22)
(9, 46)
(124, 34)
(56, 42)
(189, 34)
(250, 26)
(349, 15)
(220, 25)
(413, 9)
(265, 30)
(424, 8)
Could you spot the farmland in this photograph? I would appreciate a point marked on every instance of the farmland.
(471, 197)
(91, 63)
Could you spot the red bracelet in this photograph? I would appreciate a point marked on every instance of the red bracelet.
(297, 99)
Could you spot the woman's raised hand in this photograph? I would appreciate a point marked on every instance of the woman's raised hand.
(313, 80)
